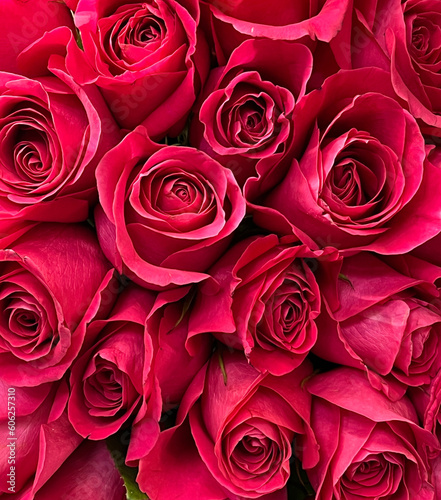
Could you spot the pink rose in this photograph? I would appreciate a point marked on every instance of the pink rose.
(245, 115)
(427, 401)
(368, 445)
(89, 473)
(53, 280)
(113, 381)
(179, 358)
(32, 18)
(405, 37)
(148, 58)
(230, 22)
(167, 212)
(352, 183)
(265, 304)
(236, 441)
(36, 435)
(383, 321)
(52, 133)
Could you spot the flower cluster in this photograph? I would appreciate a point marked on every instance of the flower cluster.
(220, 240)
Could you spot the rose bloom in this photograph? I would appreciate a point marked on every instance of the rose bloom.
(166, 212)
(353, 184)
(266, 302)
(383, 320)
(244, 116)
(52, 133)
(44, 438)
(369, 447)
(233, 435)
(148, 59)
(427, 401)
(32, 19)
(88, 473)
(112, 383)
(230, 22)
(53, 280)
(405, 37)
(179, 357)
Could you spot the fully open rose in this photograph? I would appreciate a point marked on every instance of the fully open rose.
(148, 58)
(167, 212)
(266, 303)
(367, 445)
(360, 178)
(243, 423)
(52, 281)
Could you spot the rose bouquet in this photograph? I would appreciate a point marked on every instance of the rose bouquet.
(220, 258)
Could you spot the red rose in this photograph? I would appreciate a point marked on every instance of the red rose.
(113, 381)
(266, 303)
(236, 441)
(367, 444)
(32, 18)
(167, 213)
(36, 435)
(245, 115)
(53, 133)
(230, 22)
(383, 321)
(53, 280)
(178, 358)
(353, 184)
(148, 58)
(95, 476)
(404, 36)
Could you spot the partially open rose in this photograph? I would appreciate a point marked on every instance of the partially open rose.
(245, 115)
(52, 135)
(233, 437)
(368, 445)
(360, 178)
(148, 58)
(266, 303)
(166, 213)
(53, 280)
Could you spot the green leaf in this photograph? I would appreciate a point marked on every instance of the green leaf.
(187, 303)
(118, 449)
(222, 366)
(343, 277)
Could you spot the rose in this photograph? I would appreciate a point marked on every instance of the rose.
(32, 19)
(167, 212)
(36, 433)
(53, 280)
(427, 401)
(52, 135)
(179, 358)
(242, 425)
(353, 184)
(383, 320)
(112, 383)
(245, 113)
(266, 303)
(232, 21)
(405, 37)
(95, 476)
(368, 445)
(148, 58)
